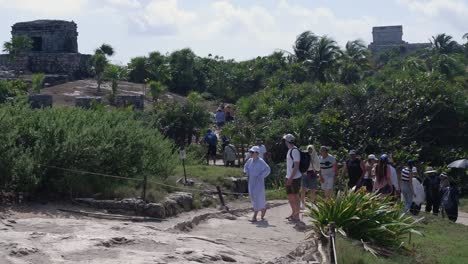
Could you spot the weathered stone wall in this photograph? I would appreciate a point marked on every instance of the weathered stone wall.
(87, 101)
(75, 65)
(49, 35)
(40, 101)
(387, 35)
(137, 101)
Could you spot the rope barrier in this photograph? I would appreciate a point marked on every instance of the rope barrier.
(136, 179)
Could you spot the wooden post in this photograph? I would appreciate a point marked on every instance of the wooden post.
(221, 199)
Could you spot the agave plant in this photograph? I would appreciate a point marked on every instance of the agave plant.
(368, 217)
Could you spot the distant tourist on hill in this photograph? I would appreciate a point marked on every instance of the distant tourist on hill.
(293, 177)
(355, 169)
(257, 170)
(432, 189)
(383, 183)
(228, 112)
(212, 142)
(328, 171)
(310, 178)
(229, 154)
(407, 174)
(220, 118)
(369, 173)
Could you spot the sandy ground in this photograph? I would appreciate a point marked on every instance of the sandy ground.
(43, 235)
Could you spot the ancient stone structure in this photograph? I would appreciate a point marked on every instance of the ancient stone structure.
(54, 51)
(38, 101)
(137, 101)
(391, 37)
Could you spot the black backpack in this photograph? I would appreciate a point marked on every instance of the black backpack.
(304, 163)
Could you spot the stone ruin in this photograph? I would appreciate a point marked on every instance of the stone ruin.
(391, 37)
(54, 50)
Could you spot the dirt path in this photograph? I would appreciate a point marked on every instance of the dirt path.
(44, 235)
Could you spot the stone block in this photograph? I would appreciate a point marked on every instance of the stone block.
(137, 101)
(40, 101)
(87, 101)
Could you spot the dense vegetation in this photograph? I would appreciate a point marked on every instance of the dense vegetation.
(33, 142)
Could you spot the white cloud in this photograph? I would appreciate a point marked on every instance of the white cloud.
(46, 7)
(437, 7)
(125, 3)
(163, 17)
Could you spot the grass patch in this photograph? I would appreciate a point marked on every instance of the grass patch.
(463, 205)
(215, 175)
(443, 242)
(276, 194)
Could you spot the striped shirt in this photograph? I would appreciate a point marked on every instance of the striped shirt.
(405, 173)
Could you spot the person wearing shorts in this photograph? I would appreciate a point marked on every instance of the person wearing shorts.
(309, 179)
(328, 171)
(293, 177)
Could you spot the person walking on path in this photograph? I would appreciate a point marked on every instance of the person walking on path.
(328, 171)
(257, 170)
(263, 150)
(220, 118)
(407, 174)
(450, 199)
(383, 183)
(212, 142)
(229, 154)
(369, 173)
(310, 178)
(396, 182)
(432, 188)
(293, 177)
(354, 167)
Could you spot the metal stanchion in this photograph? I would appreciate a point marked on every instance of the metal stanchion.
(332, 235)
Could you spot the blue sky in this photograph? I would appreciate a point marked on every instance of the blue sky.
(238, 29)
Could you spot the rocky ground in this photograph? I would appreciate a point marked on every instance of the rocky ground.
(42, 234)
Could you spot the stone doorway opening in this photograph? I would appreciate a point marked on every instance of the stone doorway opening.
(37, 44)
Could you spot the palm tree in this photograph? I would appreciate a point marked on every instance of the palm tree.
(303, 45)
(444, 44)
(105, 49)
(357, 51)
(99, 61)
(354, 62)
(114, 74)
(325, 55)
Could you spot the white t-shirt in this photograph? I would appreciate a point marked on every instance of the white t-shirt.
(290, 162)
(262, 151)
(394, 178)
(327, 166)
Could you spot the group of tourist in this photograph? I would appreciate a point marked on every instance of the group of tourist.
(380, 175)
(224, 114)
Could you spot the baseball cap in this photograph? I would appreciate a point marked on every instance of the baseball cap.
(384, 157)
(254, 149)
(352, 152)
(372, 157)
(289, 138)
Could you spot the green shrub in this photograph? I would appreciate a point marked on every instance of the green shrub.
(11, 89)
(37, 82)
(363, 216)
(99, 141)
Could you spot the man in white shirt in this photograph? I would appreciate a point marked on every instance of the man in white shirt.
(263, 150)
(293, 177)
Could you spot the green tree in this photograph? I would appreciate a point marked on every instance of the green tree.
(304, 46)
(182, 65)
(138, 69)
(156, 89)
(354, 62)
(99, 62)
(444, 44)
(17, 45)
(324, 59)
(37, 82)
(114, 74)
(158, 67)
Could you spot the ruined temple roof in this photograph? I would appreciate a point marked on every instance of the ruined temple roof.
(44, 24)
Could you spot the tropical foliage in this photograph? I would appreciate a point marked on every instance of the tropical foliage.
(365, 216)
(35, 142)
